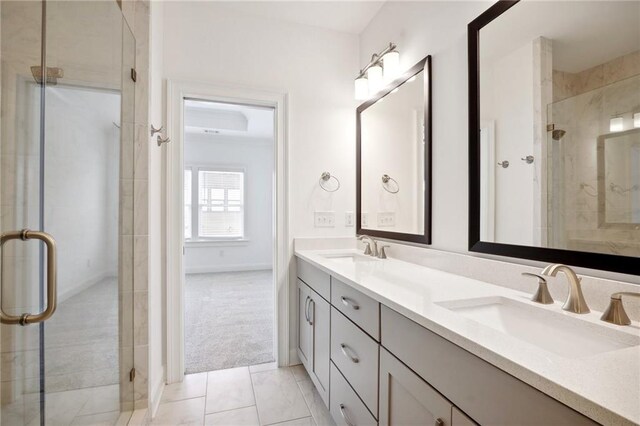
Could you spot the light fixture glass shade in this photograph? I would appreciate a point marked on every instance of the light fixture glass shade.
(616, 124)
(362, 88)
(391, 64)
(374, 75)
(636, 119)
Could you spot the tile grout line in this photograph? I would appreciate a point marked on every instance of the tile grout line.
(206, 394)
(306, 402)
(255, 398)
(290, 420)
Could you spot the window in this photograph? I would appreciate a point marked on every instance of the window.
(219, 197)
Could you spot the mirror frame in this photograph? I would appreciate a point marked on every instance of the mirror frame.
(425, 237)
(601, 261)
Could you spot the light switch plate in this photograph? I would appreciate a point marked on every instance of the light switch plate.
(364, 219)
(324, 219)
(386, 219)
(348, 219)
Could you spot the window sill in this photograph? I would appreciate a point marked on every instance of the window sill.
(217, 243)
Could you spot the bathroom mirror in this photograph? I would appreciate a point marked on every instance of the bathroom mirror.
(393, 159)
(554, 122)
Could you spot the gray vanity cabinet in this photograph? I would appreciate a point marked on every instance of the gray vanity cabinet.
(313, 337)
(372, 364)
(406, 399)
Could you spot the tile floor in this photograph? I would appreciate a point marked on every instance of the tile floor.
(244, 396)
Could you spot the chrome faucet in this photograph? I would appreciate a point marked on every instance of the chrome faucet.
(372, 246)
(575, 301)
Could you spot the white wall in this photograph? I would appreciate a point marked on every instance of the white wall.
(507, 101)
(256, 158)
(156, 261)
(206, 42)
(82, 177)
(438, 29)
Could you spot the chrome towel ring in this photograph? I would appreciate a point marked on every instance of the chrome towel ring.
(385, 184)
(325, 179)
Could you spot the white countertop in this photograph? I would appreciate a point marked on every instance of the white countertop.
(603, 386)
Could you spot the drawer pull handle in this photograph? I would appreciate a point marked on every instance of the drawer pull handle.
(312, 314)
(348, 302)
(439, 422)
(306, 308)
(345, 416)
(353, 358)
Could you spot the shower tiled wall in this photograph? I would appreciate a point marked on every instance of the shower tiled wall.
(137, 14)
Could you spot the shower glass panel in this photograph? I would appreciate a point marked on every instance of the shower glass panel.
(66, 151)
(593, 185)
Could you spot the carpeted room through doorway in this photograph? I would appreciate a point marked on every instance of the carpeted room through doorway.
(228, 320)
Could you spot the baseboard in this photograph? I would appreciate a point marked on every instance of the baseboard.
(294, 359)
(156, 393)
(227, 268)
(64, 295)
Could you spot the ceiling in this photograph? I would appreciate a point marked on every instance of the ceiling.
(344, 16)
(584, 33)
(224, 119)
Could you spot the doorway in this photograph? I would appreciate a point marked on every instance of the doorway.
(178, 92)
(228, 227)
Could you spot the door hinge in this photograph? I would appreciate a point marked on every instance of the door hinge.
(134, 75)
(551, 127)
(132, 374)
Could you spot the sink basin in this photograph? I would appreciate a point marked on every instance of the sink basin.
(350, 258)
(556, 332)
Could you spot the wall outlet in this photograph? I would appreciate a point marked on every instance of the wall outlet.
(348, 219)
(324, 219)
(386, 219)
(364, 219)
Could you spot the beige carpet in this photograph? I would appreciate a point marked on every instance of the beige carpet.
(228, 320)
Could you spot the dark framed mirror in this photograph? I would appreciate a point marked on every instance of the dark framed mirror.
(393, 159)
(554, 116)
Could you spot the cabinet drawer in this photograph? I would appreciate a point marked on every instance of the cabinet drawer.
(345, 406)
(315, 278)
(356, 356)
(361, 309)
(487, 394)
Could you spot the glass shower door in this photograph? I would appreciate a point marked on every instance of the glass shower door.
(67, 170)
(20, 164)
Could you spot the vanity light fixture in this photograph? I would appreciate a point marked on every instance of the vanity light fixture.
(374, 75)
(362, 88)
(616, 124)
(636, 120)
(382, 68)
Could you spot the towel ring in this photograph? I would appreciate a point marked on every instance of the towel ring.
(325, 177)
(385, 181)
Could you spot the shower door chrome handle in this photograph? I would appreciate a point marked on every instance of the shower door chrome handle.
(52, 272)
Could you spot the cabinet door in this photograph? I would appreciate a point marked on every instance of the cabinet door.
(305, 332)
(319, 312)
(406, 399)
